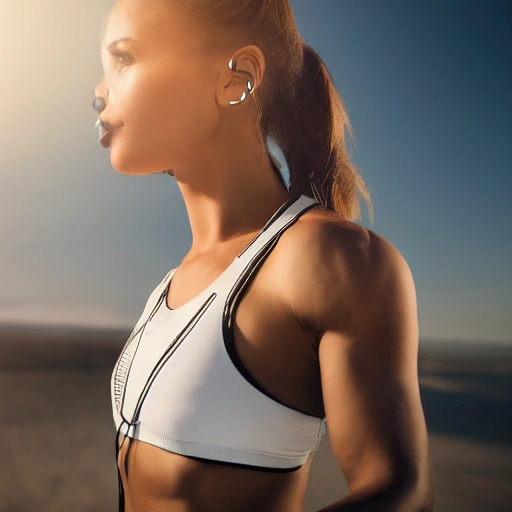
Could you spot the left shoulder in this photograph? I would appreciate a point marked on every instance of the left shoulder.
(334, 266)
(331, 236)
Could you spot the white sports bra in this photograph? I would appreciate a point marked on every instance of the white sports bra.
(179, 385)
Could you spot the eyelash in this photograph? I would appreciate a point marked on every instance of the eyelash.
(122, 55)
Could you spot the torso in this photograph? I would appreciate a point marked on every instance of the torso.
(281, 355)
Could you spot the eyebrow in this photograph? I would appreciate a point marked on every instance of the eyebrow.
(113, 44)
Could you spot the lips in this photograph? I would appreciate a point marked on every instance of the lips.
(105, 132)
(106, 138)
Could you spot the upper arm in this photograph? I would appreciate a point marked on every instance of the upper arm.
(361, 300)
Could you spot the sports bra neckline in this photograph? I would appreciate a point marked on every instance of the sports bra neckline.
(205, 292)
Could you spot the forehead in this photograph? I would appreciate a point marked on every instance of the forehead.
(150, 24)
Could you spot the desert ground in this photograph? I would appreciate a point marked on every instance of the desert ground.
(57, 434)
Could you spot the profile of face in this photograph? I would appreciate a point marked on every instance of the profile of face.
(163, 86)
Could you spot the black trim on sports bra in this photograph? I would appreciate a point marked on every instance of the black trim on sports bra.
(233, 301)
(272, 219)
(245, 466)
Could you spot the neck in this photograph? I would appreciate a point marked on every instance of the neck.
(229, 193)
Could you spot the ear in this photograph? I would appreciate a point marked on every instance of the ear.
(248, 65)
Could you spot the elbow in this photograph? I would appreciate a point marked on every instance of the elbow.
(407, 491)
(413, 493)
(418, 487)
(421, 495)
(426, 497)
(400, 495)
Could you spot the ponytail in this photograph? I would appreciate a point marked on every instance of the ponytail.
(313, 142)
(297, 103)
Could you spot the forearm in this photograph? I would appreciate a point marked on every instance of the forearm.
(390, 499)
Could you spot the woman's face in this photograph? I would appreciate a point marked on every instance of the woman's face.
(160, 86)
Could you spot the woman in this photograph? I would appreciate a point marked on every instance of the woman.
(285, 316)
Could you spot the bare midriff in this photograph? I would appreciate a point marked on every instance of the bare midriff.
(162, 481)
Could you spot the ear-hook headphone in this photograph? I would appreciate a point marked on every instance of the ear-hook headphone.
(250, 87)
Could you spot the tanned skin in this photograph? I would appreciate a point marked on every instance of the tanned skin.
(340, 335)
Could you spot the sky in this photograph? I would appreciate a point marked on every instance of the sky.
(426, 85)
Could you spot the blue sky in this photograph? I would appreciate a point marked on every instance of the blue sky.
(425, 85)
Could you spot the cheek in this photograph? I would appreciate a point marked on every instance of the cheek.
(165, 118)
(182, 109)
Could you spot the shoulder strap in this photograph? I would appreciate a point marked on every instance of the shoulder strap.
(279, 222)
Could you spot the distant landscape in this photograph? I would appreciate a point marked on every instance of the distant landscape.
(57, 432)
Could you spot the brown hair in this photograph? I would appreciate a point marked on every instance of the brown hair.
(297, 102)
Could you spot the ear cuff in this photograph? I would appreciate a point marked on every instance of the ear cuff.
(250, 87)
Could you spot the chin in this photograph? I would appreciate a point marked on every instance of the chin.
(129, 166)
(126, 159)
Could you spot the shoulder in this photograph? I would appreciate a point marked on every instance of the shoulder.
(334, 270)
(322, 244)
